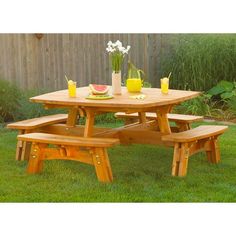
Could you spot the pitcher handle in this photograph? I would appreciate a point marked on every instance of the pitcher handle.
(144, 76)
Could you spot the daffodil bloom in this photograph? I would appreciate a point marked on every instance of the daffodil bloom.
(109, 43)
(117, 53)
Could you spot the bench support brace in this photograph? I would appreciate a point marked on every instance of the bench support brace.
(182, 152)
(93, 156)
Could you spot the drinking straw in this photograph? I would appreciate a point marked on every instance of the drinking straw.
(169, 75)
(66, 79)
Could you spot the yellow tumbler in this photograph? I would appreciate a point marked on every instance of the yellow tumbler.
(72, 88)
(165, 85)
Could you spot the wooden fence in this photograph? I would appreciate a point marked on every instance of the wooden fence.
(31, 62)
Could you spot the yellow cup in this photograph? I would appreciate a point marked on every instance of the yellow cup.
(165, 85)
(134, 85)
(72, 89)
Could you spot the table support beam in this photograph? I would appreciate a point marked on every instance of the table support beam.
(142, 117)
(72, 117)
(89, 124)
(162, 119)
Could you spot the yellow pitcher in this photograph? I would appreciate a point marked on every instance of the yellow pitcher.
(134, 82)
(134, 85)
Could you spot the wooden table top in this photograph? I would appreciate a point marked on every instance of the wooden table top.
(153, 98)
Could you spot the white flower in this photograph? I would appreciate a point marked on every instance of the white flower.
(109, 43)
(118, 43)
(109, 49)
(121, 49)
(125, 51)
(117, 47)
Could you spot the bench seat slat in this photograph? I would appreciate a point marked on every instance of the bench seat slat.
(200, 132)
(171, 117)
(38, 122)
(68, 140)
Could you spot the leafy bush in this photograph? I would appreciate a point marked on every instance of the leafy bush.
(231, 103)
(224, 94)
(30, 110)
(147, 84)
(199, 62)
(224, 89)
(15, 104)
(10, 96)
(196, 106)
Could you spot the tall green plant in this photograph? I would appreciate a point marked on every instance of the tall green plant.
(10, 96)
(199, 62)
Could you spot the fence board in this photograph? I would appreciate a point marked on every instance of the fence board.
(42, 63)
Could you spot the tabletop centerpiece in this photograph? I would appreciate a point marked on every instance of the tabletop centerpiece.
(117, 53)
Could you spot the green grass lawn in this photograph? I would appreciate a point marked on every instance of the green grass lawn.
(142, 173)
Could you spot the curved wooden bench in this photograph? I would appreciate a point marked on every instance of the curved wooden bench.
(187, 143)
(29, 126)
(92, 151)
(183, 122)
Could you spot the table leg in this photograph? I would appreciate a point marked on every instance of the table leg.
(162, 119)
(142, 117)
(72, 117)
(88, 130)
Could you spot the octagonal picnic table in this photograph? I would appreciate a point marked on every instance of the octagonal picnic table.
(142, 132)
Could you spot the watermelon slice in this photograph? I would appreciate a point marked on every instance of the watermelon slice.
(98, 89)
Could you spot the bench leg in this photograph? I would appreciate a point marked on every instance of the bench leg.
(175, 163)
(35, 163)
(25, 154)
(183, 126)
(23, 148)
(184, 155)
(213, 155)
(180, 159)
(19, 147)
(102, 165)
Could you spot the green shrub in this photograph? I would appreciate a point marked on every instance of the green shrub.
(30, 110)
(223, 90)
(199, 62)
(196, 106)
(147, 84)
(10, 97)
(205, 106)
(15, 104)
(231, 103)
